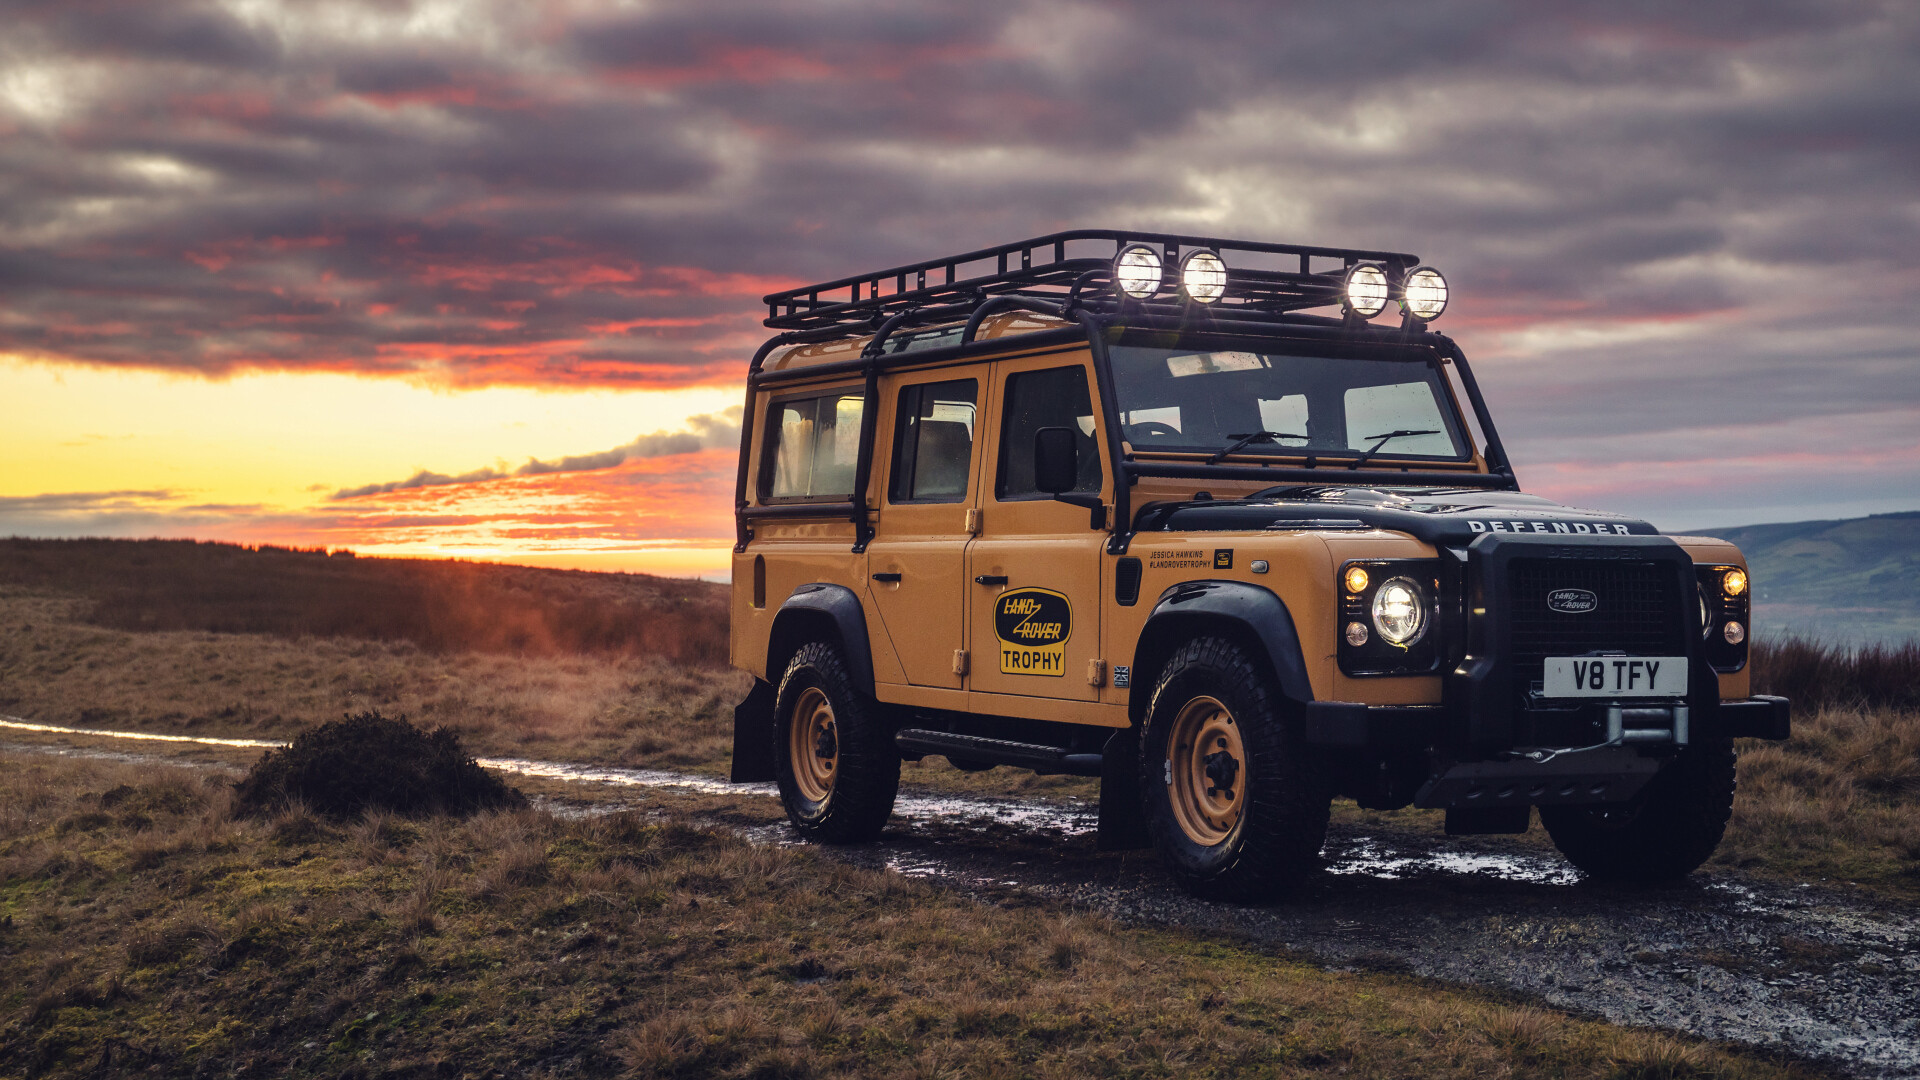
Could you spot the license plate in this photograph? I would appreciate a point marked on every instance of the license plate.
(1616, 676)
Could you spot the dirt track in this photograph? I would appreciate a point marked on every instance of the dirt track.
(1812, 972)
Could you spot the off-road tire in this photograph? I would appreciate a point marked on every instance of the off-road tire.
(866, 772)
(1282, 816)
(1663, 833)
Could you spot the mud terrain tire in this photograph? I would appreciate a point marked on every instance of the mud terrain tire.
(1663, 833)
(839, 774)
(1216, 719)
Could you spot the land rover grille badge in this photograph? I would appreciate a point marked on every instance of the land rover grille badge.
(1572, 601)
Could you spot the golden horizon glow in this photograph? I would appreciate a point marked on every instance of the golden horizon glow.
(290, 439)
(257, 457)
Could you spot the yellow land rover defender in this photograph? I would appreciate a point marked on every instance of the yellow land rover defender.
(1113, 504)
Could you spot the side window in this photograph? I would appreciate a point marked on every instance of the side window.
(933, 441)
(1056, 397)
(813, 446)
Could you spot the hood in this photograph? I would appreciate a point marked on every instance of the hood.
(1452, 517)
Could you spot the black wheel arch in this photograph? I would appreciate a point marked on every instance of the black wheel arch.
(818, 611)
(1251, 616)
(822, 612)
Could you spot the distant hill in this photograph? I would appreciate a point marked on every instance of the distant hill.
(440, 605)
(1847, 582)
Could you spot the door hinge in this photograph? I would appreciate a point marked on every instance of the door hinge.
(959, 661)
(973, 521)
(1096, 673)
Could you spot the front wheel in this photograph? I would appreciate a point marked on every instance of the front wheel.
(1235, 803)
(835, 761)
(1665, 832)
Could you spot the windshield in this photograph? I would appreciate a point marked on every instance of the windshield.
(1199, 400)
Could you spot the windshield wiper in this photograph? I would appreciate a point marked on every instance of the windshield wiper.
(1248, 440)
(1384, 440)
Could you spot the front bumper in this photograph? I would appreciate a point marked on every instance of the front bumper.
(1351, 725)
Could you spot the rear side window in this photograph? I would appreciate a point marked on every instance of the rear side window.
(813, 447)
(1056, 397)
(933, 441)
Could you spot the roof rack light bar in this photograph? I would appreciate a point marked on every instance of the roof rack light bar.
(1041, 269)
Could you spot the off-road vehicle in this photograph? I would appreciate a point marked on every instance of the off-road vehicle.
(1113, 504)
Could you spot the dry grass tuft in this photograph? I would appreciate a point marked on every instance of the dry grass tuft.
(1839, 800)
(1814, 674)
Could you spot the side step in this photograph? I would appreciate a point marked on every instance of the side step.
(1038, 757)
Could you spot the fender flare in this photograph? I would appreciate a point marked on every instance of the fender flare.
(805, 611)
(809, 613)
(1256, 612)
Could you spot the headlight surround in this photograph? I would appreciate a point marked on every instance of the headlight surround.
(1389, 613)
(1400, 611)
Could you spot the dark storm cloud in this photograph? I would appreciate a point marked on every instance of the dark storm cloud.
(515, 193)
(704, 432)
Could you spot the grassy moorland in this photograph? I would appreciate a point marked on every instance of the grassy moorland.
(145, 927)
(438, 606)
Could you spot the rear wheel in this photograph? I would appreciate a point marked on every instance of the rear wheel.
(835, 761)
(1665, 832)
(1236, 805)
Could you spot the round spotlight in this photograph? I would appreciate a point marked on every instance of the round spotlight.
(1137, 271)
(1204, 277)
(1356, 579)
(1425, 295)
(1735, 582)
(1356, 634)
(1735, 633)
(1366, 290)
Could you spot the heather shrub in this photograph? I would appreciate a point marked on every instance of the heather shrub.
(367, 762)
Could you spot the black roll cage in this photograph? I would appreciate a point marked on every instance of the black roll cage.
(1257, 303)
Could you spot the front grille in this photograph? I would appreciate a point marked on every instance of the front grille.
(1638, 610)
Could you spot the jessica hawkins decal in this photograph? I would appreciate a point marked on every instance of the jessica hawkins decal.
(1033, 626)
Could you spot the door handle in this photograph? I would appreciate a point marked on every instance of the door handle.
(991, 579)
(886, 577)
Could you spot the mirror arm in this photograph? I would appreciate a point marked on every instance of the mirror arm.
(1092, 502)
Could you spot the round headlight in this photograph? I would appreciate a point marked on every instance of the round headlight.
(1735, 582)
(1204, 277)
(1425, 294)
(1137, 271)
(1706, 612)
(1400, 611)
(1366, 290)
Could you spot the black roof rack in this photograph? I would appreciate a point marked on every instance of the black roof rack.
(1262, 279)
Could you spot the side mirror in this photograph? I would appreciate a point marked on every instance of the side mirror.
(1056, 459)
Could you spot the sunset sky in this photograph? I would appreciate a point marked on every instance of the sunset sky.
(481, 279)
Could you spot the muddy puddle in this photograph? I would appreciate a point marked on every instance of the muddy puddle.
(1809, 971)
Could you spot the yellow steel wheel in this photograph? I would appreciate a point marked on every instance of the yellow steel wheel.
(813, 745)
(1206, 772)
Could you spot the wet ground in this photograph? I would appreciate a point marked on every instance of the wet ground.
(1810, 971)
